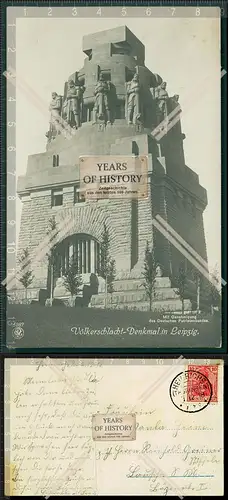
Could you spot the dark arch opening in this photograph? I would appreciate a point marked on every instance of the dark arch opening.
(83, 248)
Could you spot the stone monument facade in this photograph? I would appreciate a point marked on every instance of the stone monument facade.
(114, 105)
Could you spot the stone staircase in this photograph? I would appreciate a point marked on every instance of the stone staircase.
(130, 295)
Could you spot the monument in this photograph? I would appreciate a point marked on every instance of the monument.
(113, 105)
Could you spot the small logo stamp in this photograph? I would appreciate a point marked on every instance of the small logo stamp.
(18, 332)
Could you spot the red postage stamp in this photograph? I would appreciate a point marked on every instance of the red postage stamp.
(196, 393)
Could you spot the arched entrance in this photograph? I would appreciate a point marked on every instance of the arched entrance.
(84, 248)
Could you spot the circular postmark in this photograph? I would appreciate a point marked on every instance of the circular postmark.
(18, 332)
(190, 391)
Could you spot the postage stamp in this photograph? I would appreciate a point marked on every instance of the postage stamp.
(113, 427)
(190, 391)
(211, 372)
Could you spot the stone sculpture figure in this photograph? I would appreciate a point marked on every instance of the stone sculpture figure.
(94, 284)
(74, 103)
(101, 108)
(161, 95)
(158, 271)
(55, 110)
(133, 100)
(64, 110)
(175, 98)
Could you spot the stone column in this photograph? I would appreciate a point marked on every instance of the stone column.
(71, 251)
(80, 254)
(87, 256)
(84, 256)
(92, 256)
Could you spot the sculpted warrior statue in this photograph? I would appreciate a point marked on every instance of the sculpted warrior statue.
(161, 95)
(133, 100)
(175, 98)
(101, 108)
(74, 103)
(64, 110)
(55, 109)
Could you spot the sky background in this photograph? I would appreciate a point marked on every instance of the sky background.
(185, 52)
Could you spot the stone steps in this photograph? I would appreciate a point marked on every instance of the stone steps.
(130, 294)
(137, 284)
(160, 305)
(137, 295)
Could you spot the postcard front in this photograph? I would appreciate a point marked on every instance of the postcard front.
(113, 427)
(116, 242)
